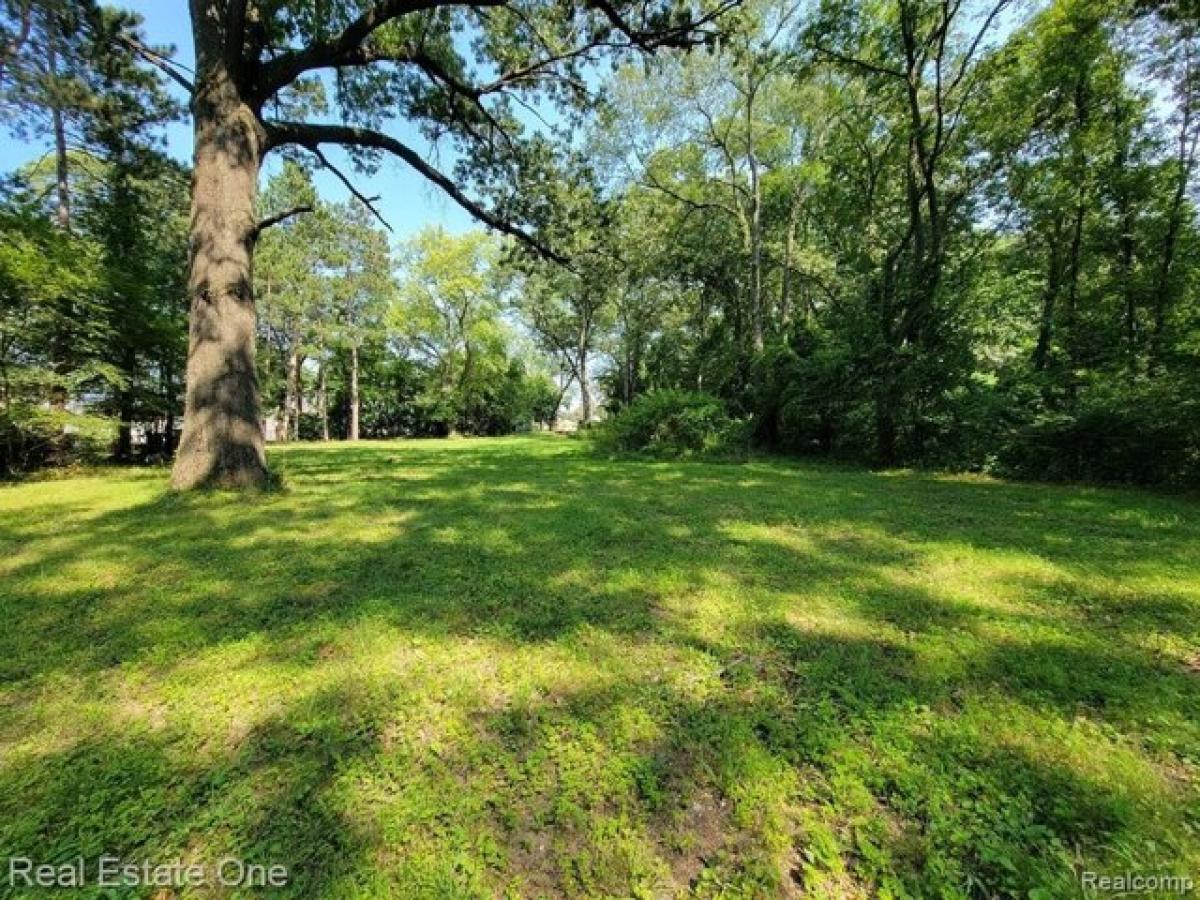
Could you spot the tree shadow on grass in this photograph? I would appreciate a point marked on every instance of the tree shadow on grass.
(144, 794)
(825, 683)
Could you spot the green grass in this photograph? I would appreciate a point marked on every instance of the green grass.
(510, 667)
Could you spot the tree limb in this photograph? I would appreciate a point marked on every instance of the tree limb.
(861, 63)
(681, 36)
(654, 184)
(313, 136)
(156, 59)
(974, 46)
(418, 56)
(347, 47)
(270, 221)
(368, 202)
(285, 69)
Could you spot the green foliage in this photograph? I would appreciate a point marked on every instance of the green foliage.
(92, 235)
(33, 437)
(95, 315)
(53, 330)
(672, 423)
(449, 320)
(1145, 434)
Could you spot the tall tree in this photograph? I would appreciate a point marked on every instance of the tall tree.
(392, 57)
(925, 63)
(291, 280)
(362, 288)
(449, 316)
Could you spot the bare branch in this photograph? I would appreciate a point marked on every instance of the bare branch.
(270, 221)
(368, 202)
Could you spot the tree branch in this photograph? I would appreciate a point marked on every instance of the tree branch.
(156, 59)
(368, 202)
(681, 36)
(285, 69)
(861, 63)
(347, 47)
(418, 56)
(313, 136)
(974, 46)
(654, 184)
(270, 221)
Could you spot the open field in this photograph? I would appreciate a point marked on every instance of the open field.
(490, 667)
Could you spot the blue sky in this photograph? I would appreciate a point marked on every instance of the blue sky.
(407, 200)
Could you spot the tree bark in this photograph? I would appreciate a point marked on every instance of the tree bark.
(585, 391)
(323, 401)
(354, 398)
(1041, 353)
(125, 412)
(291, 412)
(1126, 251)
(222, 442)
(757, 313)
(1185, 161)
(299, 394)
(62, 212)
(169, 398)
(789, 255)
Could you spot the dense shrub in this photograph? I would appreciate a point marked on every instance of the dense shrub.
(1145, 436)
(674, 423)
(34, 437)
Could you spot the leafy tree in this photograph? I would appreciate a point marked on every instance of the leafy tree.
(292, 284)
(392, 57)
(450, 319)
(362, 289)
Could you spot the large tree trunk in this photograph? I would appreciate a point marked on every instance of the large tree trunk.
(222, 440)
(354, 398)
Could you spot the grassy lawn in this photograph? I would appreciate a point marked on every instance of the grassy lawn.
(510, 667)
